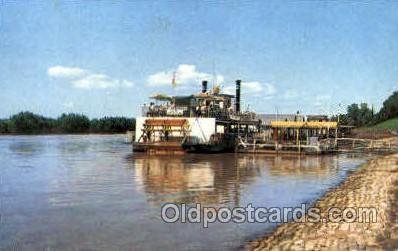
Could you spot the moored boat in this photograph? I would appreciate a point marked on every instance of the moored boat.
(209, 122)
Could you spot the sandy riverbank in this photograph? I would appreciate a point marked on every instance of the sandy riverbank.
(375, 184)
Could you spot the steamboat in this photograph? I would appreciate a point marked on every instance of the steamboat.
(212, 122)
(206, 122)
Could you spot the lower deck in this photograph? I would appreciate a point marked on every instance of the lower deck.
(159, 148)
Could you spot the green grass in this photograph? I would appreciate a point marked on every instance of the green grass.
(388, 124)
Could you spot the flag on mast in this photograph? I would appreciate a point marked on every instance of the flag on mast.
(173, 81)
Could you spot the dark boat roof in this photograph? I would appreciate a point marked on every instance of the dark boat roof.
(185, 98)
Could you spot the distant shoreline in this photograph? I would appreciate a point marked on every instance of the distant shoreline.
(55, 134)
(373, 185)
(28, 123)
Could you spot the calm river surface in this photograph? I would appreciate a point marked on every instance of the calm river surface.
(74, 192)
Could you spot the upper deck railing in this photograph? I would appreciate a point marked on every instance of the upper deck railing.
(186, 111)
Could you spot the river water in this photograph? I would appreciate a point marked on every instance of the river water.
(89, 192)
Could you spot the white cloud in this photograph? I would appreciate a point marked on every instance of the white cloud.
(100, 81)
(68, 104)
(126, 83)
(185, 74)
(219, 79)
(230, 89)
(253, 87)
(59, 71)
(84, 79)
(290, 94)
(270, 89)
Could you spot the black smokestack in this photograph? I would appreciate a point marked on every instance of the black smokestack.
(237, 96)
(204, 86)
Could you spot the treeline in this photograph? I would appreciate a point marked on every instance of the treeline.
(30, 123)
(363, 115)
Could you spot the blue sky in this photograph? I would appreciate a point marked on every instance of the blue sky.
(106, 57)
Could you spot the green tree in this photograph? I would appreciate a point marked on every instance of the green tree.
(28, 122)
(73, 123)
(4, 126)
(112, 124)
(358, 115)
(390, 108)
(365, 115)
(352, 114)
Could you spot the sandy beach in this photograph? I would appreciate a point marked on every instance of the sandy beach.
(375, 184)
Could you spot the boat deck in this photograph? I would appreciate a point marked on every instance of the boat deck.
(159, 148)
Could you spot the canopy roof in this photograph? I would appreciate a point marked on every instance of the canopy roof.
(304, 124)
(161, 97)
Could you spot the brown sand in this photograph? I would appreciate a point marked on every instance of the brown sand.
(375, 184)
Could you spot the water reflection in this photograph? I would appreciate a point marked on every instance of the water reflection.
(190, 179)
(302, 166)
(26, 147)
(219, 179)
(73, 148)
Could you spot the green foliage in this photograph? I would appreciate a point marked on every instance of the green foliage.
(390, 108)
(362, 115)
(388, 124)
(358, 115)
(112, 124)
(30, 123)
(73, 123)
(3, 126)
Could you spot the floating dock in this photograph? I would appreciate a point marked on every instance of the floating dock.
(307, 137)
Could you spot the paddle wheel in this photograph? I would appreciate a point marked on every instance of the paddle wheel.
(164, 130)
(160, 135)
